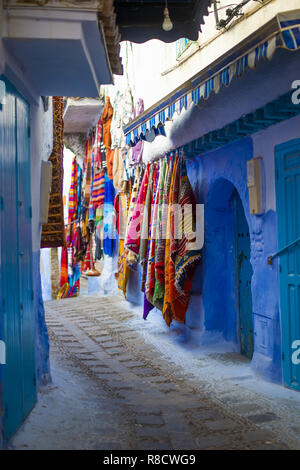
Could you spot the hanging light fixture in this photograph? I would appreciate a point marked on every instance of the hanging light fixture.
(167, 23)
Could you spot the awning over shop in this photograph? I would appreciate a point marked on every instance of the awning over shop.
(139, 21)
(282, 32)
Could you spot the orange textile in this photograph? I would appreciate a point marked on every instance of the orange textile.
(110, 161)
(106, 118)
(167, 310)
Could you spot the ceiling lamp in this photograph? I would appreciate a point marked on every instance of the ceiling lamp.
(167, 24)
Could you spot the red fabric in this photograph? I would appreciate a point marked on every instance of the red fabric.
(64, 266)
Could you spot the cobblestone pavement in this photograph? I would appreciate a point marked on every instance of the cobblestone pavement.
(143, 401)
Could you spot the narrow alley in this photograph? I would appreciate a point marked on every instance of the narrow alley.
(149, 226)
(113, 389)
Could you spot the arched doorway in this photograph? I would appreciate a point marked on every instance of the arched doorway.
(227, 296)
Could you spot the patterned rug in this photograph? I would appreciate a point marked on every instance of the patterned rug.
(53, 233)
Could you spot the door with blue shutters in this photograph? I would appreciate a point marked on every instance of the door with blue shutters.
(17, 313)
(287, 158)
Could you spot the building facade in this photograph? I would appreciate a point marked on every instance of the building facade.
(230, 100)
(36, 44)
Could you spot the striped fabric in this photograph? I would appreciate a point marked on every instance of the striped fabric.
(98, 189)
(73, 192)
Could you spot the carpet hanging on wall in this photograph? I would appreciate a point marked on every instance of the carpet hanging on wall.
(53, 233)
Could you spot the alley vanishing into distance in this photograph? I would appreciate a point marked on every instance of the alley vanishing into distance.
(113, 389)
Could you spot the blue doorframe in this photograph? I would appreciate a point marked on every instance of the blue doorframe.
(287, 164)
(18, 324)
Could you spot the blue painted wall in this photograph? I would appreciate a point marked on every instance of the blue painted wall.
(213, 306)
(214, 177)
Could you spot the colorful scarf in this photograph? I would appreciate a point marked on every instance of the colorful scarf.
(150, 278)
(158, 296)
(109, 235)
(186, 259)
(64, 266)
(123, 270)
(129, 255)
(79, 190)
(72, 215)
(72, 212)
(148, 306)
(97, 145)
(88, 174)
(167, 311)
(106, 118)
(181, 260)
(98, 188)
(147, 216)
(135, 227)
(78, 247)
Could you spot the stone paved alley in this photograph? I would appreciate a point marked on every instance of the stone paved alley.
(112, 389)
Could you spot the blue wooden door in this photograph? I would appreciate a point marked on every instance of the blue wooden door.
(287, 157)
(19, 390)
(243, 277)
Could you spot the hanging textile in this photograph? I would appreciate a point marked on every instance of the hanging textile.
(182, 261)
(97, 145)
(109, 162)
(119, 175)
(109, 240)
(148, 306)
(106, 119)
(88, 173)
(167, 311)
(72, 215)
(78, 246)
(64, 266)
(123, 109)
(150, 276)
(134, 229)
(146, 224)
(147, 216)
(87, 259)
(158, 294)
(130, 257)
(72, 211)
(98, 188)
(186, 259)
(79, 190)
(121, 207)
(53, 233)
